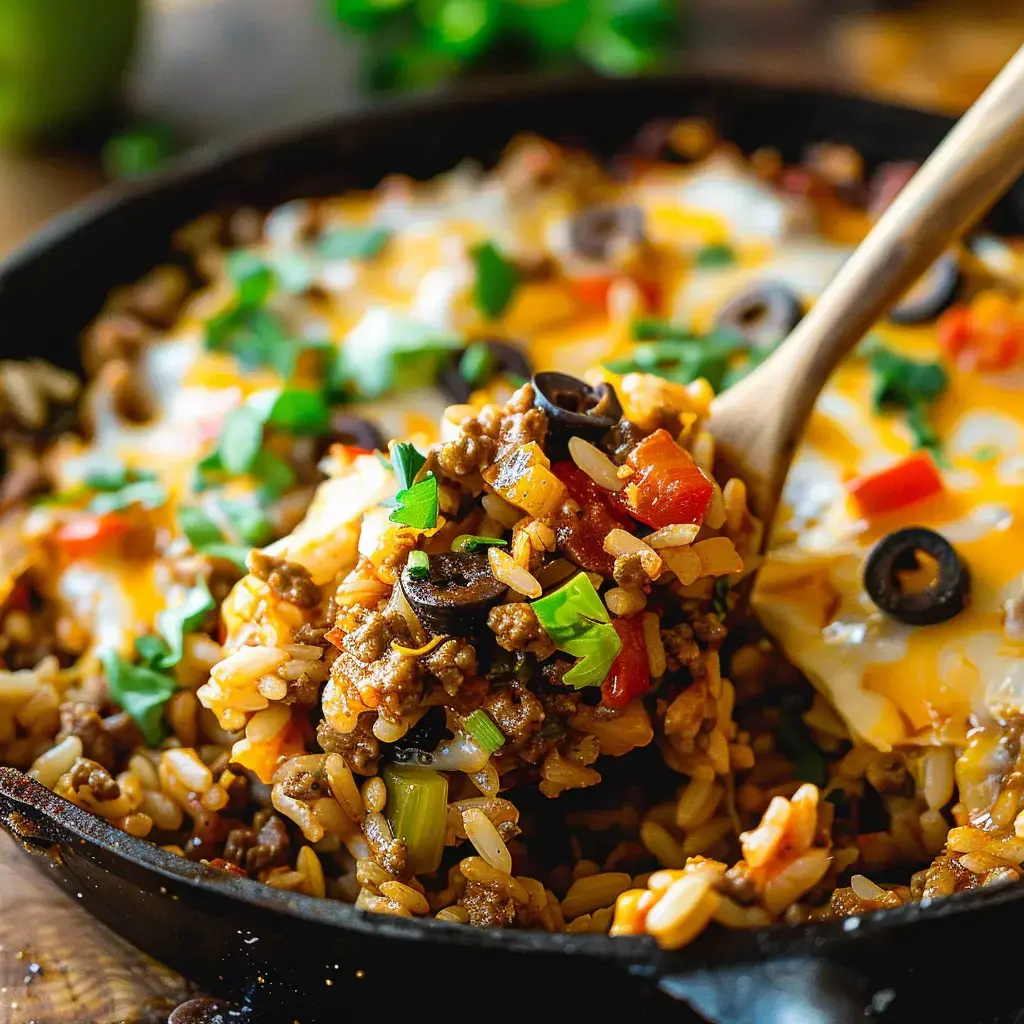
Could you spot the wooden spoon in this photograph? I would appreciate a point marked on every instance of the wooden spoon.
(758, 422)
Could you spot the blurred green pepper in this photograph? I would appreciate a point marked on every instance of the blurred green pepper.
(61, 61)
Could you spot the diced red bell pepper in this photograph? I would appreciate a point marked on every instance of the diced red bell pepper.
(593, 290)
(228, 865)
(905, 483)
(86, 535)
(630, 674)
(978, 338)
(668, 487)
(584, 491)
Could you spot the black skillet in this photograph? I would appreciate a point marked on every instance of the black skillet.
(295, 958)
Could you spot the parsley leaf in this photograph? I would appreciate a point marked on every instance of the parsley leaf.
(496, 280)
(911, 386)
(354, 243)
(406, 462)
(304, 413)
(476, 365)
(241, 438)
(248, 521)
(147, 493)
(682, 357)
(198, 527)
(715, 256)
(252, 277)
(142, 692)
(187, 617)
(417, 505)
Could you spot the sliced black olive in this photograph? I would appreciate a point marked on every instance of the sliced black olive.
(762, 314)
(457, 595)
(427, 733)
(934, 291)
(357, 432)
(574, 409)
(598, 232)
(506, 358)
(898, 553)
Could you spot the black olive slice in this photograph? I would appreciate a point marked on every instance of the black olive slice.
(598, 232)
(506, 359)
(574, 409)
(357, 432)
(934, 291)
(457, 595)
(427, 733)
(762, 314)
(898, 553)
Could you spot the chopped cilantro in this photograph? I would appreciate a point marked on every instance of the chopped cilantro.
(354, 243)
(682, 357)
(187, 617)
(496, 280)
(912, 386)
(241, 438)
(303, 413)
(147, 493)
(477, 364)
(142, 691)
(407, 462)
(248, 521)
(715, 256)
(252, 276)
(417, 505)
(206, 537)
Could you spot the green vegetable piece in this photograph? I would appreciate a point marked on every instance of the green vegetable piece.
(138, 150)
(797, 744)
(110, 476)
(496, 280)
(252, 277)
(173, 623)
(419, 565)
(294, 272)
(476, 365)
(355, 243)
(237, 554)
(274, 474)
(463, 28)
(682, 357)
(241, 438)
(406, 462)
(417, 505)
(198, 527)
(483, 730)
(719, 597)
(255, 337)
(147, 493)
(470, 544)
(151, 649)
(715, 256)
(141, 691)
(248, 521)
(417, 810)
(909, 385)
(303, 413)
(577, 621)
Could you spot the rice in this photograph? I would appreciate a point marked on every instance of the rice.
(623, 601)
(413, 901)
(586, 895)
(865, 888)
(51, 765)
(619, 542)
(247, 665)
(514, 576)
(484, 837)
(662, 845)
(676, 536)
(683, 911)
(595, 464)
(500, 510)
(374, 795)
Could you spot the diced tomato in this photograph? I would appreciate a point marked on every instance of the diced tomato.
(630, 674)
(228, 865)
(594, 290)
(86, 535)
(668, 486)
(585, 491)
(351, 450)
(985, 336)
(905, 483)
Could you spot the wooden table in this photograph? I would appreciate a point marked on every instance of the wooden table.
(216, 67)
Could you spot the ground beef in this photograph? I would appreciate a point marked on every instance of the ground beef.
(88, 773)
(306, 786)
(680, 647)
(289, 580)
(113, 336)
(305, 690)
(517, 713)
(468, 453)
(521, 428)
(81, 719)
(255, 849)
(629, 571)
(307, 633)
(451, 663)
(399, 682)
(388, 852)
(516, 628)
(738, 884)
(369, 641)
(360, 747)
(488, 905)
(709, 629)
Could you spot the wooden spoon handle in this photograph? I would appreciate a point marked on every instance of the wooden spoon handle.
(759, 421)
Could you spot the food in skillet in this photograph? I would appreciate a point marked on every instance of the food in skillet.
(500, 670)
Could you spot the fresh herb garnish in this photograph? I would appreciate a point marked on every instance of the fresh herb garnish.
(186, 617)
(496, 280)
(912, 386)
(241, 438)
(715, 256)
(417, 505)
(207, 538)
(252, 276)
(387, 351)
(576, 620)
(353, 243)
(987, 453)
(470, 544)
(477, 364)
(406, 461)
(419, 565)
(141, 690)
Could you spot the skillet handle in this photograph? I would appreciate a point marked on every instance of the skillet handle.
(797, 990)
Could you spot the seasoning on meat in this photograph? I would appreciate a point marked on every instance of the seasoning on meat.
(516, 628)
(289, 580)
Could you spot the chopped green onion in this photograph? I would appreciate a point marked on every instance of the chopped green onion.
(417, 810)
(355, 243)
(417, 505)
(141, 691)
(496, 280)
(419, 565)
(477, 364)
(407, 462)
(715, 256)
(487, 735)
(138, 150)
(470, 544)
(577, 621)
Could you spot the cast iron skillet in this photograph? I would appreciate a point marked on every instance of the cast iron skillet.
(296, 958)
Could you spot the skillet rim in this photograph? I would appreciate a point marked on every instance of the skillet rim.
(21, 795)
